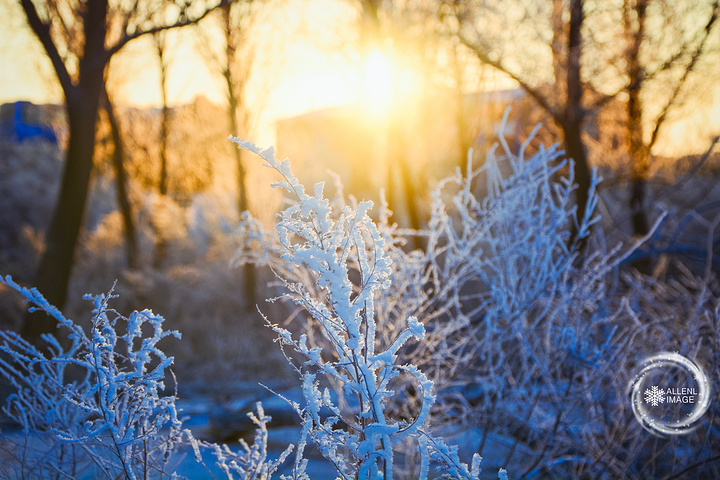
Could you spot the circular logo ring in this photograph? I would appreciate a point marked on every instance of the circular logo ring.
(648, 421)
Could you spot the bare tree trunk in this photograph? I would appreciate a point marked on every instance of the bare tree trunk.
(410, 198)
(164, 134)
(234, 108)
(242, 198)
(234, 101)
(564, 104)
(639, 145)
(566, 46)
(164, 129)
(397, 156)
(575, 149)
(463, 141)
(389, 187)
(121, 183)
(159, 39)
(638, 192)
(82, 103)
(249, 277)
(53, 274)
(574, 114)
(639, 154)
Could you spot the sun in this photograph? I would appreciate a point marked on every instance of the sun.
(377, 81)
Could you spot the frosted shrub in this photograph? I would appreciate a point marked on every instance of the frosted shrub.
(521, 328)
(97, 409)
(96, 406)
(506, 259)
(498, 244)
(494, 288)
(500, 324)
(538, 330)
(252, 461)
(553, 333)
(343, 252)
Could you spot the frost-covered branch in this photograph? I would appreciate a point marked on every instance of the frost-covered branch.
(346, 257)
(102, 397)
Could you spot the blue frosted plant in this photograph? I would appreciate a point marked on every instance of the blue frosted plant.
(501, 290)
(344, 253)
(97, 406)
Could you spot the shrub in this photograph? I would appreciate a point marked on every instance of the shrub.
(97, 405)
(346, 262)
(530, 341)
(500, 325)
(99, 408)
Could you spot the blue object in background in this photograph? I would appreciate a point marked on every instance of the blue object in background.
(22, 120)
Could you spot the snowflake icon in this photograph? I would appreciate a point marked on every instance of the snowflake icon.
(654, 396)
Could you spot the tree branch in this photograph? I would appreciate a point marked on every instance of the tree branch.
(42, 31)
(670, 62)
(681, 83)
(535, 94)
(128, 16)
(182, 22)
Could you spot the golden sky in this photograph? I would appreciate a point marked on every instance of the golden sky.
(299, 75)
(301, 67)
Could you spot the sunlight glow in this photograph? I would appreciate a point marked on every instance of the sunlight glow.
(378, 81)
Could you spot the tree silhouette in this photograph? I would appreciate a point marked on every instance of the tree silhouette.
(673, 70)
(564, 100)
(80, 38)
(121, 183)
(597, 52)
(234, 63)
